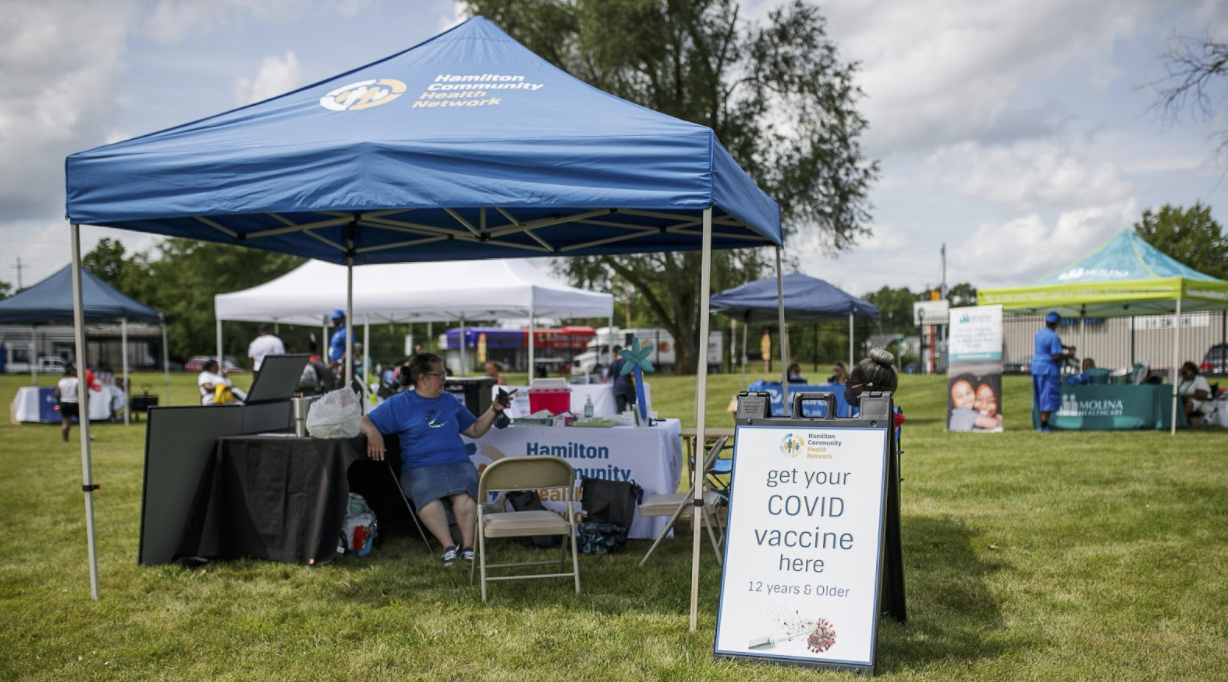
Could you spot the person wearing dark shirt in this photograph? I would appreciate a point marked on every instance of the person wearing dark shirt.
(624, 385)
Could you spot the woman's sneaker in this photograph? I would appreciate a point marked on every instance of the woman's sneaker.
(450, 555)
(467, 554)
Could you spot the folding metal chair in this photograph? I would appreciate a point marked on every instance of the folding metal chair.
(526, 473)
(676, 505)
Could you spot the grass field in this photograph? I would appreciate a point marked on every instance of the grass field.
(1071, 556)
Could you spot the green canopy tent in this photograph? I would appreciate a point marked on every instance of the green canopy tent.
(1125, 277)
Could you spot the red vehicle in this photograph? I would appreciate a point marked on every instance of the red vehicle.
(197, 364)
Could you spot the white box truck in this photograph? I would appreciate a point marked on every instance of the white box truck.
(597, 355)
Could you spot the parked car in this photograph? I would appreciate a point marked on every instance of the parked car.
(1216, 360)
(197, 363)
(1020, 366)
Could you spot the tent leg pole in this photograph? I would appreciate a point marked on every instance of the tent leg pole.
(745, 326)
(852, 363)
(1176, 366)
(349, 315)
(166, 365)
(532, 344)
(34, 355)
(87, 476)
(701, 395)
(123, 335)
(221, 362)
(784, 334)
(464, 357)
(366, 359)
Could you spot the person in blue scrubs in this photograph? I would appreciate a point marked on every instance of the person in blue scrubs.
(1047, 370)
(336, 344)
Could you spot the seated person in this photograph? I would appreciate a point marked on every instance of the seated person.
(1195, 394)
(1084, 378)
(839, 373)
(875, 373)
(429, 423)
(795, 373)
(209, 380)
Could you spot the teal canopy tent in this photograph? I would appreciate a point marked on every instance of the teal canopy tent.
(1126, 276)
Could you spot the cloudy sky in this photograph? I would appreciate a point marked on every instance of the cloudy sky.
(1017, 132)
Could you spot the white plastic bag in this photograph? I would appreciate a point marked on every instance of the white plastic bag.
(336, 415)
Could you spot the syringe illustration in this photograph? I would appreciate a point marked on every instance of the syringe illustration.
(820, 636)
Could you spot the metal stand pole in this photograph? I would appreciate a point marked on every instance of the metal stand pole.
(701, 396)
(87, 475)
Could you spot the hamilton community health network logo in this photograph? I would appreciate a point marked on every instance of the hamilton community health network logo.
(363, 95)
(791, 445)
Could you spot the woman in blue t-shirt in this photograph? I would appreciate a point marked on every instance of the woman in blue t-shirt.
(428, 423)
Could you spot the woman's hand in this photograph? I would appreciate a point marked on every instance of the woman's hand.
(375, 447)
(375, 439)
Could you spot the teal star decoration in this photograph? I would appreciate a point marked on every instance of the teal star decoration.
(636, 357)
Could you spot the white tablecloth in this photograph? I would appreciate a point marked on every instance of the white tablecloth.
(602, 395)
(101, 403)
(26, 404)
(651, 456)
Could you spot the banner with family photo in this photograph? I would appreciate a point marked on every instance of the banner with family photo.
(974, 369)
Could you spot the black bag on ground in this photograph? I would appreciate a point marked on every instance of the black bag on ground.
(601, 538)
(606, 501)
(527, 500)
(609, 510)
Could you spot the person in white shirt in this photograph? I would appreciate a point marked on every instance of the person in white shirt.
(1195, 394)
(265, 344)
(67, 394)
(210, 379)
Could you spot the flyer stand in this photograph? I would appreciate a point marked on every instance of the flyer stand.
(812, 554)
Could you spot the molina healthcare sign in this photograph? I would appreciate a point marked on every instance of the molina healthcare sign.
(803, 555)
(974, 370)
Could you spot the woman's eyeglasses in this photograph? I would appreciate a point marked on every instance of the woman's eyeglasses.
(440, 375)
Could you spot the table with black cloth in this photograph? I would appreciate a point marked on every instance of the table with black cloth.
(284, 498)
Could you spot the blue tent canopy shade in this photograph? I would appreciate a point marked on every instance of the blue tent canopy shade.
(466, 146)
(806, 299)
(50, 302)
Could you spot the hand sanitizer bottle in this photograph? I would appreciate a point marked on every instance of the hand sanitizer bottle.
(588, 407)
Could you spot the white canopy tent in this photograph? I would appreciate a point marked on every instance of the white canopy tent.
(441, 291)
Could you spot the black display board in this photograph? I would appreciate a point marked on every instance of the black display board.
(179, 444)
(278, 377)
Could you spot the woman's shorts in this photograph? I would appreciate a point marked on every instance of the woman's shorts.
(424, 484)
(70, 410)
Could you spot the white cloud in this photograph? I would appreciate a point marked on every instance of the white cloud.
(61, 67)
(276, 76)
(939, 71)
(1027, 248)
(1026, 174)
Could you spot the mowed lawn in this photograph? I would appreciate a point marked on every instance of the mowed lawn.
(1072, 556)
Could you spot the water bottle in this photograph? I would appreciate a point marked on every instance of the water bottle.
(588, 407)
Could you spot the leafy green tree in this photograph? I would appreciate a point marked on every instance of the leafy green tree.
(107, 262)
(895, 306)
(1189, 235)
(6, 290)
(962, 294)
(777, 95)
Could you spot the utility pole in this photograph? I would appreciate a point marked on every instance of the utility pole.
(944, 271)
(19, 267)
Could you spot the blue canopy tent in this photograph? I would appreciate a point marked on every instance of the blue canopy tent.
(466, 146)
(806, 299)
(51, 302)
